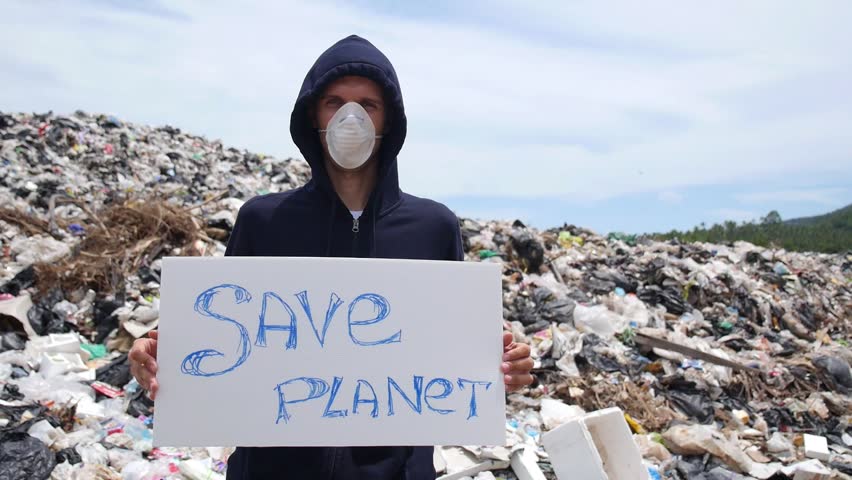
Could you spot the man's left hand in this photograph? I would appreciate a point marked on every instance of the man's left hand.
(516, 364)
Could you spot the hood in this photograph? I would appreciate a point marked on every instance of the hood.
(352, 55)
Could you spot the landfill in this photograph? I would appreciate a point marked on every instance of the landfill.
(727, 361)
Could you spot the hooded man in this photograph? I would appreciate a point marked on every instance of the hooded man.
(349, 123)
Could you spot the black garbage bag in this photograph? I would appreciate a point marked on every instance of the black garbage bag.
(116, 372)
(842, 467)
(735, 397)
(551, 309)
(536, 327)
(24, 457)
(11, 392)
(105, 321)
(529, 250)
(779, 417)
(43, 319)
(617, 279)
(69, 455)
(579, 296)
(15, 412)
(23, 280)
(522, 310)
(688, 399)
(146, 274)
(597, 285)
(561, 311)
(690, 466)
(140, 404)
(590, 355)
(746, 306)
(695, 405)
(221, 223)
(669, 298)
(12, 341)
(500, 239)
(653, 273)
(837, 374)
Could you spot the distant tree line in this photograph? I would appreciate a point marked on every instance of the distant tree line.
(830, 233)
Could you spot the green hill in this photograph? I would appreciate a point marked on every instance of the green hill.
(830, 233)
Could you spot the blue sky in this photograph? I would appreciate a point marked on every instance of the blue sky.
(624, 115)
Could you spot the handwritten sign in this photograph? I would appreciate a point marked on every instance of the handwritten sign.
(329, 352)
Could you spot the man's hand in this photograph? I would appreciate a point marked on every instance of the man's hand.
(143, 362)
(516, 364)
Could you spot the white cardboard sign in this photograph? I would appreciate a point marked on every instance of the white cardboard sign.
(275, 351)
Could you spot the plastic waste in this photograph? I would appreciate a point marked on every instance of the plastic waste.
(68, 455)
(781, 269)
(12, 341)
(120, 458)
(14, 313)
(595, 353)
(555, 412)
(23, 456)
(92, 453)
(95, 350)
(807, 470)
(691, 401)
(199, 470)
(549, 308)
(43, 319)
(528, 249)
(38, 249)
(781, 313)
(838, 373)
(623, 237)
(116, 373)
(701, 439)
(599, 320)
(47, 433)
(649, 448)
(566, 240)
(21, 281)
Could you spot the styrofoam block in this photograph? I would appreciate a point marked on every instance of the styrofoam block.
(614, 441)
(572, 452)
(57, 343)
(816, 447)
(53, 364)
(438, 460)
(807, 470)
(525, 465)
(461, 463)
(597, 446)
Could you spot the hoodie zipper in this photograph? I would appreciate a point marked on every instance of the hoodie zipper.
(355, 230)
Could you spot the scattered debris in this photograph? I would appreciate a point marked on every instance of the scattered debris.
(727, 361)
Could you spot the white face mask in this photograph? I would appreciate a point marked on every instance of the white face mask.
(350, 136)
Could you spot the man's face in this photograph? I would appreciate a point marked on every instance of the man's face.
(350, 89)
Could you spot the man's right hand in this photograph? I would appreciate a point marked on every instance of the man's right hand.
(143, 362)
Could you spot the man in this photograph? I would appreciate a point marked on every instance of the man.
(350, 124)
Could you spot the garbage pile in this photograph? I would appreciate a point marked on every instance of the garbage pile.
(728, 361)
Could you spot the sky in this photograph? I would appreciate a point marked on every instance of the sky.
(612, 115)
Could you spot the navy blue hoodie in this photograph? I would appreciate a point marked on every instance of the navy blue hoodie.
(313, 221)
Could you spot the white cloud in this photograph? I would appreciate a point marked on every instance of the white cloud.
(668, 196)
(820, 196)
(600, 101)
(737, 215)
